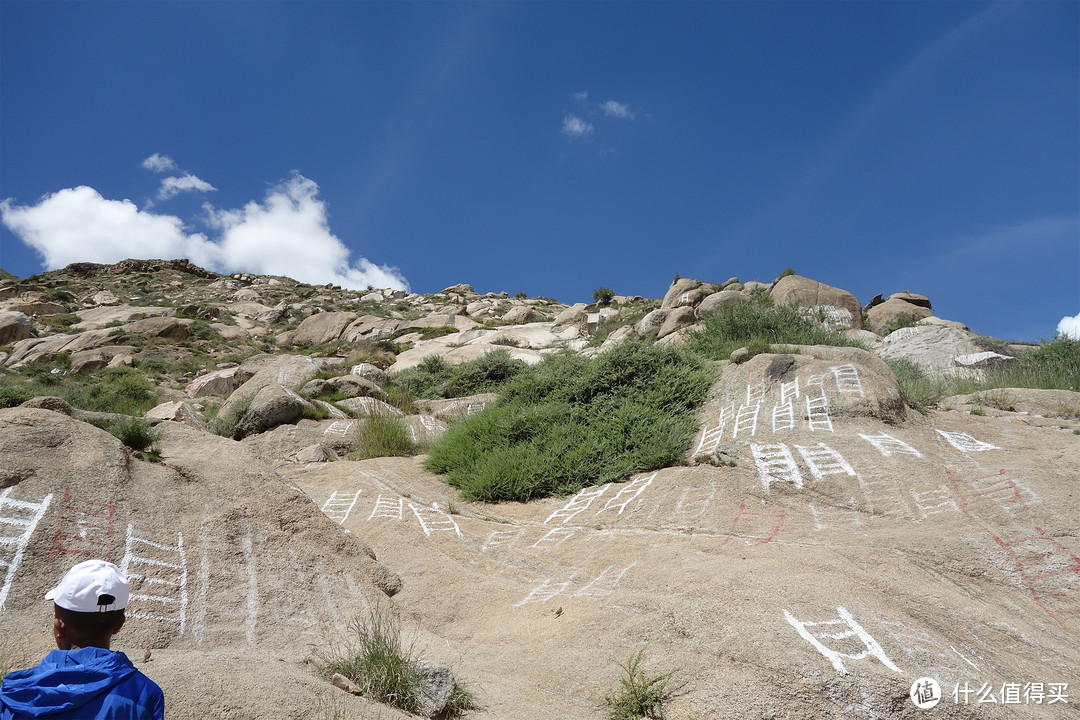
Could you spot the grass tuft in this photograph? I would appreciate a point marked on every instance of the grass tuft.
(383, 435)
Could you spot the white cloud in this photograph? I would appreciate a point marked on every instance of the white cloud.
(617, 109)
(287, 234)
(159, 163)
(1070, 326)
(575, 127)
(581, 97)
(79, 225)
(171, 186)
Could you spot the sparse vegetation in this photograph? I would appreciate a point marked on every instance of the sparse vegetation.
(761, 319)
(434, 377)
(224, 424)
(572, 421)
(638, 695)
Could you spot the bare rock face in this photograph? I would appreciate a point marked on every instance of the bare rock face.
(679, 293)
(321, 328)
(14, 326)
(842, 306)
(163, 327)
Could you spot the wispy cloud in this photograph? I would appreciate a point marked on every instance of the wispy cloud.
(187, 182)
(286, 234)
(579, 123)
(612, 108)
(576, 128)
(159, 163)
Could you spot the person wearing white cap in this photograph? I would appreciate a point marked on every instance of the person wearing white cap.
(83, 679)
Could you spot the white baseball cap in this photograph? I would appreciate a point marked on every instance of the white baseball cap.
(91, 586)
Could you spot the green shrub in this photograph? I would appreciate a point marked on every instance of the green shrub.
(13, 395)
(738, 325)
(383, 436)
(788, 271)
(573, 421)
(135, 433)
(639, 696)
(603, 296)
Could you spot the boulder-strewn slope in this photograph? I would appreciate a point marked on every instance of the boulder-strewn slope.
(822, 546)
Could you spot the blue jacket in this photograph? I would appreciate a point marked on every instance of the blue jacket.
(84, 684)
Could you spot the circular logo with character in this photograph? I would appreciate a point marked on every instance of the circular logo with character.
(925, 693)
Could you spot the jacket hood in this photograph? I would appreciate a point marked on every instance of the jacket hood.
(64, 681)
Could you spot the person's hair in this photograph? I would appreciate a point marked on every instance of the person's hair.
(89, 627)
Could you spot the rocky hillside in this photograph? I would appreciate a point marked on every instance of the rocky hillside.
(833, 532)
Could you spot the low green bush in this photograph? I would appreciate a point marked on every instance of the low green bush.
(573, 421)
(136, 433)
(13, 395)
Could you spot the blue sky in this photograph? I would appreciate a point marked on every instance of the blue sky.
(553, 148)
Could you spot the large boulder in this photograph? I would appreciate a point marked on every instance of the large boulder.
(842, 307)
(347, 385)
(289, 371)
(893, 311)
(679, 317)
(370, 326)
(34, 308)
(322, 328)
(98, 317)
(718, 300)
(14, 326)
(167, 328)
(272, 405)
(521, 314)
(680, 293)
(649, 326)
(458, 322)
(933, 345)
(220, 382)
(90, 360)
